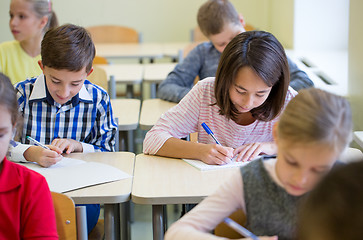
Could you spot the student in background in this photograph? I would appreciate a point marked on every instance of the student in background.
(60, 107)
(220, 22)
(334, 210)
(26, 206)
(312, 132)
(240, 105)
(29, 20)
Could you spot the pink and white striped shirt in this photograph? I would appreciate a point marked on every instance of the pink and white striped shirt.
(194, 109)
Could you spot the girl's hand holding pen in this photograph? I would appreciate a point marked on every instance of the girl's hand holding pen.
(250, 151)
(44, 157)
(215, 154)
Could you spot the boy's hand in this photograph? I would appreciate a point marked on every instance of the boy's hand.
(42, 156)
(67, 145)
(250, 151)
(215, 154)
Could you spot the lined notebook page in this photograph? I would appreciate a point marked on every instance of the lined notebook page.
(206, 167)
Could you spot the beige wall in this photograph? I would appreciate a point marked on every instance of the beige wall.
(355, 69)
(159, 20)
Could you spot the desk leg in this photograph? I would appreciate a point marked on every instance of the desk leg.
(158, 222)
(129, 91)
(153, 90)
(125, 220)
(112, 221)
(130, 140)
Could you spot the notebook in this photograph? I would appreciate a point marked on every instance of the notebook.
(70, 174)
(206, 167)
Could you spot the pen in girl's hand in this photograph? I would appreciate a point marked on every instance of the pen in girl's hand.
(241, 230)
(209, 132)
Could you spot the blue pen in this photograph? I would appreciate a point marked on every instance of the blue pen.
(36, 143)
(209, 132)
(241, 230)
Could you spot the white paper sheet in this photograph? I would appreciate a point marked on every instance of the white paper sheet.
(70, 174)
(206, 167)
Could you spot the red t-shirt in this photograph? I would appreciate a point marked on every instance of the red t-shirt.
(26, 207)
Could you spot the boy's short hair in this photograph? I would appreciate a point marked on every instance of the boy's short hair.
(214, 15)
(68, 47)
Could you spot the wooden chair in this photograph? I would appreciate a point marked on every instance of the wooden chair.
(223, 230)
(99, 60)
(114, 34)
(71, 220)
(99, 77)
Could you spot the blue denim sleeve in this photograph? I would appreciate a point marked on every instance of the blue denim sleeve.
(179, 82)
(298, 78)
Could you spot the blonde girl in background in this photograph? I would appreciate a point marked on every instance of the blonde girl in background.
(29, 20)
(311, 134)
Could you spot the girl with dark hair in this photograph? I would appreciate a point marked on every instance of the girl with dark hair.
(240, 105)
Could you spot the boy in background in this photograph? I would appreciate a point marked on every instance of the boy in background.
(62, 109)
(220, 22)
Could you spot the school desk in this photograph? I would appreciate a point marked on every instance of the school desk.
(127, 111)
(159, 181)
(128, 74)
(174, 50)
(130, 50)
(110, 194)
(151, 110)
(155, 74)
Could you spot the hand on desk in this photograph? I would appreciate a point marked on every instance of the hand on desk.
(216, 154)
(250, 151)
(44, 157)
(67, 145)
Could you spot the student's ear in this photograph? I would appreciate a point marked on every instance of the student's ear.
(242, 20)
(274, 131)
(90, 72)
(43, 21)
(41, 65)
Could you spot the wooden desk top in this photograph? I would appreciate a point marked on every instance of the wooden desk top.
(174, 49)
(127, 111)
(130, 50)
(160, 180)
(124, 73)
(151, 111)
(113, 192)
(157, 72)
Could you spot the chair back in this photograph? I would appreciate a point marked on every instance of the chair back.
(99, 60)
(99, 77)
(65, 216)
(113, 34)
(223, 230)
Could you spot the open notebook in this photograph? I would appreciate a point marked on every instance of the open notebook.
(206, 167)
(70, 174)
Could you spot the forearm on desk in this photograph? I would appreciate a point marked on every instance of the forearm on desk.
(177, 148)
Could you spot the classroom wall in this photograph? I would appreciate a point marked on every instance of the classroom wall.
(159, 20)
(355, 69)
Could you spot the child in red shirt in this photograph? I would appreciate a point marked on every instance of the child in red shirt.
(26, 207)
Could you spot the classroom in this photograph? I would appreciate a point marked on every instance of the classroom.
(144, 194)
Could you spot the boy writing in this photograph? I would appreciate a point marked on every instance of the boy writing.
(220, 22)
(60, 107)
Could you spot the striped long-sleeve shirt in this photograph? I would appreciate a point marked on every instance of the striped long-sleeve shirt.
(194, 109)
(87, 117)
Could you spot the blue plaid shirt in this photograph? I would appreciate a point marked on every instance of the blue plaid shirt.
(86, 118)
